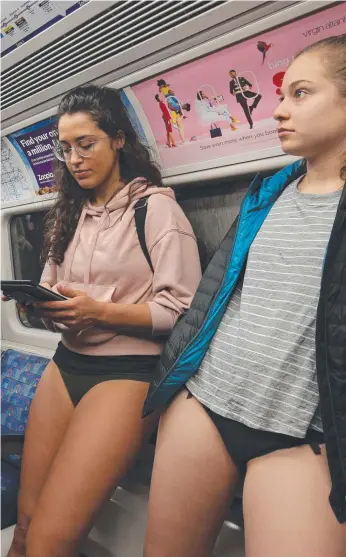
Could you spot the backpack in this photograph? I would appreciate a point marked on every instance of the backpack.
(141, 208)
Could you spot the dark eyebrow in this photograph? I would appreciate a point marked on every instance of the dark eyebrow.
(294, 84)
(78, 138)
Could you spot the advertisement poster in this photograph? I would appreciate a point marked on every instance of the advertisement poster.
(201, 111)
(35, 148)
(33, 171)
(21, 21)
(15, 181)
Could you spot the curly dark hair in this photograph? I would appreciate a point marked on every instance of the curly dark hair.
(106, 108)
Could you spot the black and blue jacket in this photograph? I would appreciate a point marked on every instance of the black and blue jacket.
(190, 338)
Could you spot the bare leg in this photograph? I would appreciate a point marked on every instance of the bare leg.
(180, 127)
(50, 413)
(172, 140)
(192, 484)
(103, 438)
(286, 507)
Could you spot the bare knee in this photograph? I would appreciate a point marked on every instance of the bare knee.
(23, 523)
(45, 540)
(20, 534)
(151, 549)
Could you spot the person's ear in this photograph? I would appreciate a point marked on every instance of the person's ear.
(119, 141)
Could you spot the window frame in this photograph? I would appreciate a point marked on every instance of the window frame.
(13, 330)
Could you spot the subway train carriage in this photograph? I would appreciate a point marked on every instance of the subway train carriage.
(193, 86)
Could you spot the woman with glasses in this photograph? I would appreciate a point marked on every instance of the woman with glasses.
(85, 426)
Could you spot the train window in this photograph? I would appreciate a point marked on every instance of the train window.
(26, 232)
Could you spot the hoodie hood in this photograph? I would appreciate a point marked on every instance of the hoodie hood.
(107, 216)
(138, 188)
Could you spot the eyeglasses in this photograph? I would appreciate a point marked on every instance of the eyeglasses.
(84, 148)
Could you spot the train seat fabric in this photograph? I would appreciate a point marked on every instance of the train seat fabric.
(20, 374)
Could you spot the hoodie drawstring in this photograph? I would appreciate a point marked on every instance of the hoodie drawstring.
(74, 244)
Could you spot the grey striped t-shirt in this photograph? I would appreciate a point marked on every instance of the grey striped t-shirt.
(260, 366)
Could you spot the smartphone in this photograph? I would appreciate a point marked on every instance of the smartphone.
(26, 291)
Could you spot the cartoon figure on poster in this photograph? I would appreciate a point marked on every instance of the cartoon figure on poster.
(166, 117)
(210, 111)
(241, 89)
(175, 107)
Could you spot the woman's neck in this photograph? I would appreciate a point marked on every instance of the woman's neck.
(101, 197)
(323, 174)
(104, 192)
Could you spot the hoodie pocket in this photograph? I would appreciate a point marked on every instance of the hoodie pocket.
(92, 335)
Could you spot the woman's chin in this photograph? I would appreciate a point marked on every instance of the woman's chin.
(87, 184)
(289, 148)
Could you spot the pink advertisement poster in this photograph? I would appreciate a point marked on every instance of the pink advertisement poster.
(203, 111)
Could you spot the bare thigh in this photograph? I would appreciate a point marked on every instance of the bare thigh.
(286, 507)
(49, 416)
(103, 437)
(192, 484)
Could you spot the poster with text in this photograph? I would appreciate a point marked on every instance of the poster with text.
(21, 21)
(16, 185)
(35, 147)
(203, 111)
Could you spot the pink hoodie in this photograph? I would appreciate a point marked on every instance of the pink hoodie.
(105, 259)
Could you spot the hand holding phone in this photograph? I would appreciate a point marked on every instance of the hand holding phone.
(28, 292)
(45, 285)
